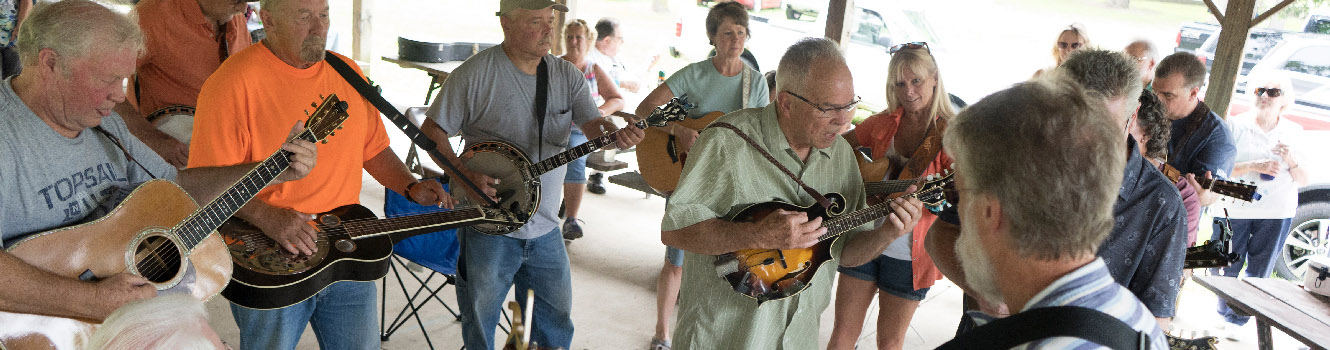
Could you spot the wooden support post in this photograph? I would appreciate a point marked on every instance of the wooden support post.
(1214, 10)
(1228, 54)
(556, 35)
(362, 44)
(840, 18)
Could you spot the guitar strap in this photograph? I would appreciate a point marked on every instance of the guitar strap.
(116, 141)
(821, 200)
(1049, 322)
(744, 89)
(927, 151)
(542, 97)
(371, 93)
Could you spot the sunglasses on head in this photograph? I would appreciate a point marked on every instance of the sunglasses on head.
(1272, 92)
(1063, 44)
(911, 45)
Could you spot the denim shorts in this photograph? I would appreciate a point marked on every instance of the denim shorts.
(577, 168)
(674, 255)
(891, 275)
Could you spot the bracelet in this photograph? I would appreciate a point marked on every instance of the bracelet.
(408, 188)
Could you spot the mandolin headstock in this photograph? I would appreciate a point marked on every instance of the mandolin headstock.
(673, 111)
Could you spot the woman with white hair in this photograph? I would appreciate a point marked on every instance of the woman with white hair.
(1266, 156)
(168, 322)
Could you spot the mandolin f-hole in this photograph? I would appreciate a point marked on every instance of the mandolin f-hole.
(157, 259)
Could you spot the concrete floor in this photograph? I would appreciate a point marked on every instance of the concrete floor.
(614, 280)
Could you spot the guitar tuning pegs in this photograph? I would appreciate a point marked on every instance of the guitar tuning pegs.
(312, 104)
(325, 142)
(307, 112)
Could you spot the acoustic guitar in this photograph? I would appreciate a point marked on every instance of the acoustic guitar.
(519, 180)
(773, 274)
(660, 157)
(352, 244)
(158, 232)
(1236, 190)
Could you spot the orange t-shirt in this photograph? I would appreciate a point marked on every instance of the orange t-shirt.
(181, 50)
(877, 133)
(248, 107)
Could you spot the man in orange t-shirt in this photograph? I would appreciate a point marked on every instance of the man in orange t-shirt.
(184, 42)
(251, 95)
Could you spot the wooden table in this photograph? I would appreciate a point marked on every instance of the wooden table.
(1276, 302)
(438, 72)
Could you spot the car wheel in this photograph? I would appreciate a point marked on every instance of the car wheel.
(1308, 236)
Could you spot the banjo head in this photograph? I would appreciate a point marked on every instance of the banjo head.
(518, 189)
(176, 121)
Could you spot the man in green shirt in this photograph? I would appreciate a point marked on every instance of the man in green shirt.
(724, 173)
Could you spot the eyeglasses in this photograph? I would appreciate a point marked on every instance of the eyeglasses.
(1271, 92)
(911, 45)
(1063, 44)
(825, 110)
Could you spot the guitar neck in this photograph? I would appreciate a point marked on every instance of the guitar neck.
(887, 187)
(585, 148)
(211, 216)
(400, 228)
(845, 223)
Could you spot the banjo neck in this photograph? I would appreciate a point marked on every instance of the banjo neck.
(585, 148)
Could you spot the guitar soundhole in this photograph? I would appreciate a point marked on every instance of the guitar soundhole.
(157, 259)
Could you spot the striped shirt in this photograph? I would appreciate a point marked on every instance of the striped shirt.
(1091, 287)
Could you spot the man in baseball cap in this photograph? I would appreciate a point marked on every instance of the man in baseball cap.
(506, 6)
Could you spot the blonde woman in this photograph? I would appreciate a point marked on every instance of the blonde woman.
(918, 108)
(577, 38)
(1069, 40)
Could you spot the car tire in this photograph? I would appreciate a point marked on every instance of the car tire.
(1307, 230)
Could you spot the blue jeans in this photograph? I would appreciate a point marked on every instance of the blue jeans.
(577, 168)
(343, 317)
(1256, 241)
(491, 265)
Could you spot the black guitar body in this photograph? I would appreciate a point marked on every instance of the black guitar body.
(268, 277)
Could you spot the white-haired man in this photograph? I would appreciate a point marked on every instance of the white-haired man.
(1143, 52)
(492, 97)
(184, 42)
(270, 84)
(802, 131)
(1030, 240)
(66, 158)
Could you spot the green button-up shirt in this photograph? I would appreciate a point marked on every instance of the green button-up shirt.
(724, 174)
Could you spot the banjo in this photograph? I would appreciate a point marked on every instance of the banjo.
(177, 121)
(518, 191)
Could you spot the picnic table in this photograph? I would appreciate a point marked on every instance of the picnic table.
(1278, 303)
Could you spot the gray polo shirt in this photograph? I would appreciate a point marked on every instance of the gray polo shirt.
(488, 99)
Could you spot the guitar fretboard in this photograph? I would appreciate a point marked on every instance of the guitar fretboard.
(887, 186)
(197, 226)
(370, 228)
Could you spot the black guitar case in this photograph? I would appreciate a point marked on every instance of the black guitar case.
(424, 50)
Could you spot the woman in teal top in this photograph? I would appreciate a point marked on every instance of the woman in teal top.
(718, 84)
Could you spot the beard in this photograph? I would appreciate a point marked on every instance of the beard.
(979, 273)
(312, 49)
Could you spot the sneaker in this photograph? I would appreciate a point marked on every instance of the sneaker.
(572, 229)
(657, 344)
(594, 184)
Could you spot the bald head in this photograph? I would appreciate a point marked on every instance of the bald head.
(1144, 53)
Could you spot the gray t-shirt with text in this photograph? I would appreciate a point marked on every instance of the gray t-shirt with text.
(49, 181)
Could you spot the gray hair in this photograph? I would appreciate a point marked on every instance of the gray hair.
(171, 321)
(70, 28)
(1280, 78)
(1145, 45)
(1106, 74)
(1193, 71)
(792, 72)
(1064, 206)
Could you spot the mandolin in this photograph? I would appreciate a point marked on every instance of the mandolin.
(159, 233)
(660, 157)
(773, 274)
(519, 180)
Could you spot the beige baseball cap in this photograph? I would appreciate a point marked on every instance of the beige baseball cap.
(509, 5)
